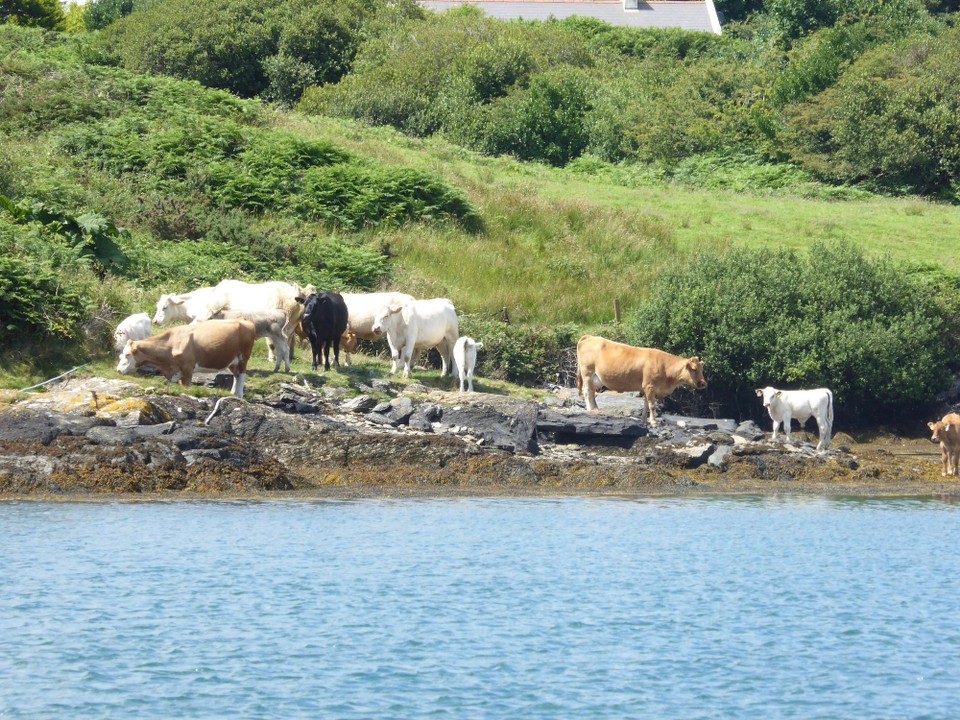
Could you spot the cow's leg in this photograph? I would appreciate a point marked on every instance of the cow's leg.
(470, 378)
(406, 357)
(787, 420)
(588, 379)
(238, 381)
(650, 396)
(824, 435)
(315, 350)
(283, 353)
(271, 354)
(336, 352)
(954, 456)
(944, 459)
(326, 355)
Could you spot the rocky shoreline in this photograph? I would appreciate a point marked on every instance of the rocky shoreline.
(105, 439)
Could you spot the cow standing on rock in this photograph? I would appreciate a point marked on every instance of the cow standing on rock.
(784, 405)
(325, 320)
(603, 363)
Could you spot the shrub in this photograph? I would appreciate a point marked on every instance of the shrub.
(868, 330)
(245, 46)
(34, 302)
(542, 122)
(33, 13)
(890, 121)
(520, 354)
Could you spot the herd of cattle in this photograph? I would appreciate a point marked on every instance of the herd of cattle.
(223, 321)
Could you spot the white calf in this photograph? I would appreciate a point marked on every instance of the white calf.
(418, 325)
(269, 324)
(134, 327)
(783, 405)
(465, 359)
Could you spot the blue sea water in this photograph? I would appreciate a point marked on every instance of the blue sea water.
(481, 608)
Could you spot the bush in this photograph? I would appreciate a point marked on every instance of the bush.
(542, 122)
(33, 13)
(34, 302)
(520, 354)
(868, 330)
(245, 46)
(890, 121)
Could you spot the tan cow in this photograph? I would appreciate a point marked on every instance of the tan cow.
(946, 431)
(623, 368)
(209, 345)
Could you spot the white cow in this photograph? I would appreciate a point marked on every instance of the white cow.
(418, 325)
(269, 324)
(362, 309)
(465, 359)
(784, 405)
(184, 307)
(204, 303)
(133, 327)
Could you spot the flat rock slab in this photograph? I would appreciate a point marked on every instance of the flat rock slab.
(581, 423)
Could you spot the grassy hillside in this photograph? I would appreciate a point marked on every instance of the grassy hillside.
(122, 186)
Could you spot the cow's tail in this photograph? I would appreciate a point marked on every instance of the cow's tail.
(579, 381)
(830, 410)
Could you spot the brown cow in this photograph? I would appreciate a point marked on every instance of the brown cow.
(210, 345)
(946, 431)
(623, 368)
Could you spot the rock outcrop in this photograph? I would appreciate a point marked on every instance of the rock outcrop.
(103, 440)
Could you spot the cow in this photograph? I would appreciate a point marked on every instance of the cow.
(209, 345)
(325, 320)
(133, 327)
(204, 303)
(946, 431)
(465, 359)
(784, 405)
(603, 363)
(417, 325)
(269, 324)
(184, 307)
(362, 309)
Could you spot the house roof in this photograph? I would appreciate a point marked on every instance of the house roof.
(685, 14)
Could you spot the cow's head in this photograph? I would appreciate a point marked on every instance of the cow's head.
(310, 305)
(943, 431)
(383, 318)
(349, 342)
(128, 363)
(168, 307)
(768, 394)
(692, 373)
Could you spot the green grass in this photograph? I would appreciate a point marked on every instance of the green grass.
(561, 246)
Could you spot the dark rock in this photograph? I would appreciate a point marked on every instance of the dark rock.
(695, 423)
(380, 419)
(567, 426)
(749, 430)
(720, 457)
(400, 410)
(128, 435)
(693, 456)
(516, 432)
(43, 427)
(360, 404)
(424, 416)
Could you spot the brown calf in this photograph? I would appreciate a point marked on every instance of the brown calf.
(946, 431)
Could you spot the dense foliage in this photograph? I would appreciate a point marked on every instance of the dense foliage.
(831, 318)
(33, 13)
(247, 46)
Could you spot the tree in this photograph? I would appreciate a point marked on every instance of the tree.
(33, 13)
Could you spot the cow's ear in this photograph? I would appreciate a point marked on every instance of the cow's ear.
(301, 300)
(759, 392)
(930, 425)
(778, 393)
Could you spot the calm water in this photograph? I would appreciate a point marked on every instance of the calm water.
(570, 608)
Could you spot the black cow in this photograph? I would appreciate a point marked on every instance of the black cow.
(325, 320)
